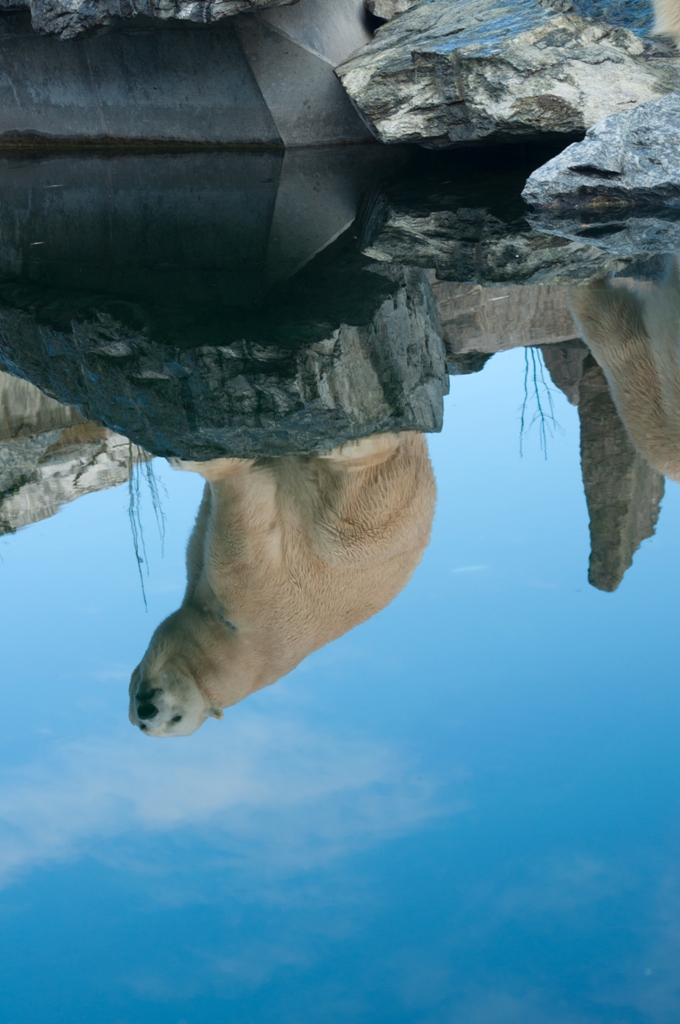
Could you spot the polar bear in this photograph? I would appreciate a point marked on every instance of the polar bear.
(286, 555)
(667, 18)
(635, 338)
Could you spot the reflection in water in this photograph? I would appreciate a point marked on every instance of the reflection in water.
(667, 20)
(49, 455)
(223, 311)
(244, 316)
(286, 555)
(633, 334)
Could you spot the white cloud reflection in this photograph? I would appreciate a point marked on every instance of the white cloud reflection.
(261, 789)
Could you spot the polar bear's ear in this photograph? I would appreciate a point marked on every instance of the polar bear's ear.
(216, 712)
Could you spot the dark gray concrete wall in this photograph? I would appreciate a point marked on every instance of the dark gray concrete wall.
(333, 29)
(175, 84)
(308, 105)
(241, 82)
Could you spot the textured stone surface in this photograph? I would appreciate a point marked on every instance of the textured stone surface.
(389, 9)
(473, 245)
(630, 235)
(50, 456)
(180, 299)
(70, 18)
(630, 158)
(25, 411)
(246, 399)
(565, 364)
(488, 320)
(623, 492)
(445, 74)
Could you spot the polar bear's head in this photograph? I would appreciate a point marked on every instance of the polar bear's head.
(169, 704)
(165, 697)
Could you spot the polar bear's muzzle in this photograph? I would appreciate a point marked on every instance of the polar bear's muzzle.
(165, 703)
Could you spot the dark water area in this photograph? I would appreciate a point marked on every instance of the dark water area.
(354, 477)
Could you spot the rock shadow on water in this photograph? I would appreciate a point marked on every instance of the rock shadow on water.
(221, 306)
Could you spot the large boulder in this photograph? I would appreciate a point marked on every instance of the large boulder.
(479, 71)
(71, 18)
(50, 456)
(628, 159)
(490, 320)
(194, 304)
(381, 369)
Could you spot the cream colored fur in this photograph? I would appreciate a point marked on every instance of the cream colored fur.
(667, 18)
(635, 338)
(286, 555)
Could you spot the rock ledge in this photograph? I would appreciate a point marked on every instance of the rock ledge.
(631, 158)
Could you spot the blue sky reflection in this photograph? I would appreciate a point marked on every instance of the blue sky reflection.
(466, 810)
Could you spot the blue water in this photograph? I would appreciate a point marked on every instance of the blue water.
(465, 811)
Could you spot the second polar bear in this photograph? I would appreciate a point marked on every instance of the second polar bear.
(667, 18)
(286, 555)
(635, 337)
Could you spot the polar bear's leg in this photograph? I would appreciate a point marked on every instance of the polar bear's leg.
(611, 320)
(196, 545)
(376, 505)
(667, 20)
(243, 522)
(612, 323)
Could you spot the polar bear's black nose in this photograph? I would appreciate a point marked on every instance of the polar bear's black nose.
(147, 711)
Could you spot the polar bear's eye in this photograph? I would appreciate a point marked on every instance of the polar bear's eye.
(177, 718)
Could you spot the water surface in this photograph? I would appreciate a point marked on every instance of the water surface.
(464, 809)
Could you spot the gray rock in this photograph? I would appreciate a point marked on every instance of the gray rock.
(179, 299)
(564, 362)
(632, 235)
(446, 74)
(473, 245)
(637, 15)
(474, 319)
(25, 411)
(623, 492)
(70, 18)
(246, 399)
(389, 9)
(50, 456)
(464, 363)
(629, 158)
